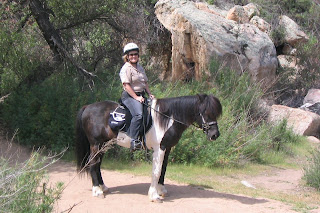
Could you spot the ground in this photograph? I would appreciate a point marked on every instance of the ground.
(128, 193)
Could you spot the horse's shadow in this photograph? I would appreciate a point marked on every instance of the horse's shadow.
(178, 192)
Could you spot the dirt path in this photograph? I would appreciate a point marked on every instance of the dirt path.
(128, 193)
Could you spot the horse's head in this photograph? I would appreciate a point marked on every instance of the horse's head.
(209, 110)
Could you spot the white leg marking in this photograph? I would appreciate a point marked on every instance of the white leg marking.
(96, 191)
(157, 160)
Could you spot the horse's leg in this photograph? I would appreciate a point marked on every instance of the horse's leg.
(103, 187)
(157, 160)
(160, 187)
(94, 167)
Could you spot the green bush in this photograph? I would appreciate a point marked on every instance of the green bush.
(25, 188)
(312, 171)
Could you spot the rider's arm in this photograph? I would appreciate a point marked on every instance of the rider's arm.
(128, 88)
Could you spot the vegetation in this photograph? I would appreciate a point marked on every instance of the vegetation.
(24, 188)
(312, 170)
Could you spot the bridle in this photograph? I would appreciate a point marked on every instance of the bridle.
(205, 126)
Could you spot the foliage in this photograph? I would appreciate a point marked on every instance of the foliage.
(242, 138)
(45, 113)
(296, 82)
(25, 188)
(312, 170)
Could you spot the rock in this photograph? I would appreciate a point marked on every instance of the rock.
(261, 24)
(198, 36)
(315, 108)
(302, 122)
(251, 10)
(293, 34)
(243, 14)
(210, 9)
(238, 14)
(289, 50)
(313, 139)
(287, 61)
(312, 97)
(247, 184)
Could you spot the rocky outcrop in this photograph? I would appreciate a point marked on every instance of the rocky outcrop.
(302, 122)
(201, 33)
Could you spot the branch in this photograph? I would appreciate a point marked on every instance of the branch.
(4, 97)
(74, 63)
(52, 36)
(111, 22)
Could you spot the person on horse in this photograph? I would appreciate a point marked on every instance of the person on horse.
(135, 85)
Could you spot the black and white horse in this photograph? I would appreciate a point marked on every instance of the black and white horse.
(171, 116)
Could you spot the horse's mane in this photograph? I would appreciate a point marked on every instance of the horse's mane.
(186, 108)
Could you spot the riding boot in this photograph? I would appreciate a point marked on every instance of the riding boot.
(135, 145)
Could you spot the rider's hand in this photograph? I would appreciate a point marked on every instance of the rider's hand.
(140, 99)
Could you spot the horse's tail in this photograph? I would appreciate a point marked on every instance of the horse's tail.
(82, 144)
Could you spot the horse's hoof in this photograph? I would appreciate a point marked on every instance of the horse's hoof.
(158, 200)
(165, 195)
(104, 189)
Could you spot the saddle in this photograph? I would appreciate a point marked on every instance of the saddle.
(120, 119)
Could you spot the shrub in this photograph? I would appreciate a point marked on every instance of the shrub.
(312, 171)
(25, 188)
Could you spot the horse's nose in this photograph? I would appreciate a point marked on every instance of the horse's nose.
(215, 136)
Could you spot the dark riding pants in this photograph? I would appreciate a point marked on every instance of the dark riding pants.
(136, 110)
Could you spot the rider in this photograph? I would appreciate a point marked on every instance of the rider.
(135, 84)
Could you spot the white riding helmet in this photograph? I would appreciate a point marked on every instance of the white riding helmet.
(130, 47)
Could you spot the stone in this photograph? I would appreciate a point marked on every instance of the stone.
(261, 24)
(312, 97)
(313, 139)
(302, 122)
(293, 34)
(238, 14)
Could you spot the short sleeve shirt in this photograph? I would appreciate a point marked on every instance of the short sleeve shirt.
(135, 76)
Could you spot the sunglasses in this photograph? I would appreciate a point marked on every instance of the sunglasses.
(134, 54)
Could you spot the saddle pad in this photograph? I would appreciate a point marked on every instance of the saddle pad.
(117, 119)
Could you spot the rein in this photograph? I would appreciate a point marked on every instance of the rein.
(205, 126)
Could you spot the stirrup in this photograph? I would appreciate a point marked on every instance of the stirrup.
(135, 145)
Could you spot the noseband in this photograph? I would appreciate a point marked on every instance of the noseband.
(206, 126)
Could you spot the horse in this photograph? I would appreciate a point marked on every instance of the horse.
(170, 117)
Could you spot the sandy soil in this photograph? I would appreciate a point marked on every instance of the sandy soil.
(128, 193)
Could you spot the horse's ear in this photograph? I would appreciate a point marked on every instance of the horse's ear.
(201, 97)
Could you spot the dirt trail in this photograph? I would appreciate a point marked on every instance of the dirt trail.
(128, 193)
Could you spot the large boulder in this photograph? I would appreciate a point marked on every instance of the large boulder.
(198, 36)
(293, 34)
(302, 122)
